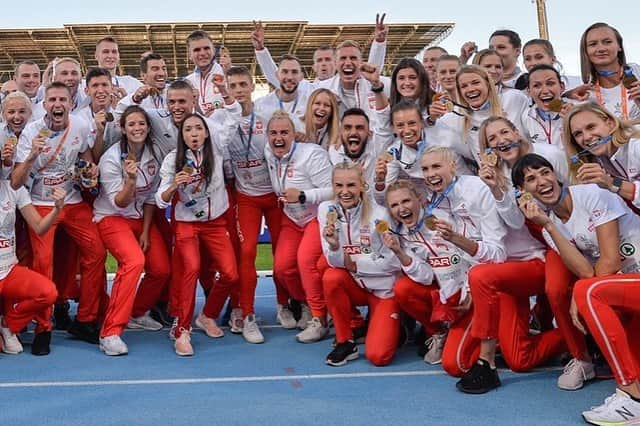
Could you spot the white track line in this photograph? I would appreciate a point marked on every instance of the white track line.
(237, 379)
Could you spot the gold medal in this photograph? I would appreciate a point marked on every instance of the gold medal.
(386, 157)
(628, 81)
(449, 106)
(332, 217)
(524, 198)
(108, 117)
(153, 91)
(490, 158)
(44, 132)
(12, 140)
(575, 164)
(555, 105)
(430, 222)
(187, 169)
(131, 157)
(436, 97)
(218, 79)
(382, 226)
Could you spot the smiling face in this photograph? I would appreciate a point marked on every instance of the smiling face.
(136, 128)
(499, 136)
(321, 110)
(99, 90)
(493, 65)
(201, 52)
(28, 79)
(473, 89)
(347, 187)
(437, 171)
(407, 83)
(446, 74)
(180, 102)
(16, 114)
(57, 104)
(108, 55)
(408, 125)
(536, 54)
(289, 75)
(602, 47)
(194, 132)
(587, 128)
(68, 72)
(156, 75)
(354, 133)
(281, 135)
(543, 184)
(348, 60)
(544, 87)
(404, 206)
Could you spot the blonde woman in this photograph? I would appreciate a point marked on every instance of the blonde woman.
(321, 120)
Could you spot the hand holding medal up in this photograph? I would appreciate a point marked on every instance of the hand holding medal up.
(329, 232)
(8, 150)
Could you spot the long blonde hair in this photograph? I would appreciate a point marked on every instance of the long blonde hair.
(364, 198)
(333, 125)
(623, 131)
(484, 144)
(492, 95)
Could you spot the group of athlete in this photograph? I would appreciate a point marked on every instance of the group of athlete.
(468, 197)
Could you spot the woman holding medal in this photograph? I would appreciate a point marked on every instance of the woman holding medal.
(604, 150)
(610, 80)
(543, 121)
(321, 120)
(479, 100)
(597, 237)
(124, 210)
(16, 113)
(445, 98)
(192, 178)
(362, 269)
(503, 148)
(301, 177)
(435, 280)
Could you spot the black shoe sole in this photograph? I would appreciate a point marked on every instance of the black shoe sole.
(479, 391)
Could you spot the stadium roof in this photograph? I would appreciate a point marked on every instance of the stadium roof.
(168, 39)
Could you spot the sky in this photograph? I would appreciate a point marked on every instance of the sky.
(475, 20)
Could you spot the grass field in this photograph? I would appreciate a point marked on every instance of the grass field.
(264, 260)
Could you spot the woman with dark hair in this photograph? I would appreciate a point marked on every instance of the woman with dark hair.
(597, 236)
(192, 178)
(124, 212)
(604, 67)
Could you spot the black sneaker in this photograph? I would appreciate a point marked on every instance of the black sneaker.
(480, 379)
(85, 331)
(360, 333)
(347, 351)
(160, 313)
(41, 344)
(61, 317)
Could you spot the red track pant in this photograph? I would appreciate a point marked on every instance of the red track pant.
(610, 307)
(422, 302)
(77, 220)
(343, 294)
(250, 212)
(121, 236)
(190, 237)
(501, 311)
(27, 295)
(296, 264)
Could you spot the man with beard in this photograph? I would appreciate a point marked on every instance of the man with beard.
(153, 71)
(357, 143)
(289, 96)
(47, 152)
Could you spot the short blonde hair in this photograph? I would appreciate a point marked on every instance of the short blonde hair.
(281, 115)
(355, 167)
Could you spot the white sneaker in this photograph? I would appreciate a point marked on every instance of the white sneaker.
(285, 318)
(145, 322)
(314, 332)
(435, 346)
(618, 409)
(250, 330)
(305, 317)
(235, 321)
(113, 345)
(575, 373)
(182, 345)
(11, 343)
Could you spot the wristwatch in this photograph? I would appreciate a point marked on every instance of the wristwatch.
(302, 198)
(616, 185)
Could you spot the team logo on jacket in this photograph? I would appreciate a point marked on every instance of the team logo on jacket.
(371, 99)
(8, 206)
(441, 262)
(151, 168)
(290, 170)
(76, 141)
(259, 127)
(5, 244)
